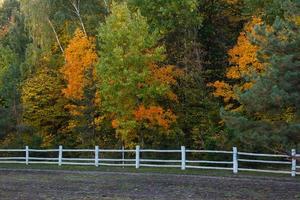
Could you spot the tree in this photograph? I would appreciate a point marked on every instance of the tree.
(222, 22)
(271, 117)
(79, 73)
(131, 78)
(44, 113)
(13, 41)
(169, 15)
(268, 9)
(51, 25)
(178, 21)
(245, 66)
(80, 57)
(8, 91)
(37, 17)
(198, 113)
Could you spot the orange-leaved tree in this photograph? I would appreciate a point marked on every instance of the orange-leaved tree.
(80, 56)
(244, 66)
(79, 73)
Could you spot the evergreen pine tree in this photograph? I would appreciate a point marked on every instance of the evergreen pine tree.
(271, 118)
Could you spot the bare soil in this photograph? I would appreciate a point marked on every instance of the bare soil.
(79, 185)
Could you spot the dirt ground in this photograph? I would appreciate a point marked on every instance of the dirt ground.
(78, 185)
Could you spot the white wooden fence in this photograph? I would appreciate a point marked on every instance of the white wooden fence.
(288, 162)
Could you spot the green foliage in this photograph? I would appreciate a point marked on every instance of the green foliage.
(37, 14)
(124, 41)
(13, 41)
(178, 22)
(169, 15)
(9, 76)
(198, 113)
(12, 21)
(271, 118)
(128, 50)
(268, 9)
(7, 57)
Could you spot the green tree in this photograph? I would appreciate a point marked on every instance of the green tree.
(271, 117)
(13, 41)
(169, 15)
(268, 9)
(130, 79)
(198, 113)
(9, 105)
(178, 21)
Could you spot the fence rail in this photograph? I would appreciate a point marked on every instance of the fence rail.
(139, 159)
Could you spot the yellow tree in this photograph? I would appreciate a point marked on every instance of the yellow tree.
(43, 105)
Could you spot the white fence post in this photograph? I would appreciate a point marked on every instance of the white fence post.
(60, 155)
(27, 155)
(293, 162)
(123, 157)
(137, 157)
(235, 160)
(96, 156)
(183, 158)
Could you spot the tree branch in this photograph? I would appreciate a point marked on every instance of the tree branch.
(77, 12)
(56, 36)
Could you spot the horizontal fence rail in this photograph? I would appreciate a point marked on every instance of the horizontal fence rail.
(184, 159)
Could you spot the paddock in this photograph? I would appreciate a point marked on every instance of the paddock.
(66, 184)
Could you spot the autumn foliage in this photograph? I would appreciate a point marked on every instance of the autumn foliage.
(155, 115)
(165, 75)
(134, 79)
(243, 57)
(80, 57)
(3, 31)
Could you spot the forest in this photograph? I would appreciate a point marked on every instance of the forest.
(207, 74)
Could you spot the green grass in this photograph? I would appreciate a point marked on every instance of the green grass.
(204, 172)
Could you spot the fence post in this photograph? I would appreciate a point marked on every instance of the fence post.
(27, 155)
(60, 155)
(96, 156)
(293, 162)
(183, 158)
(235, 160)
(123, 157)
(137, 157)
